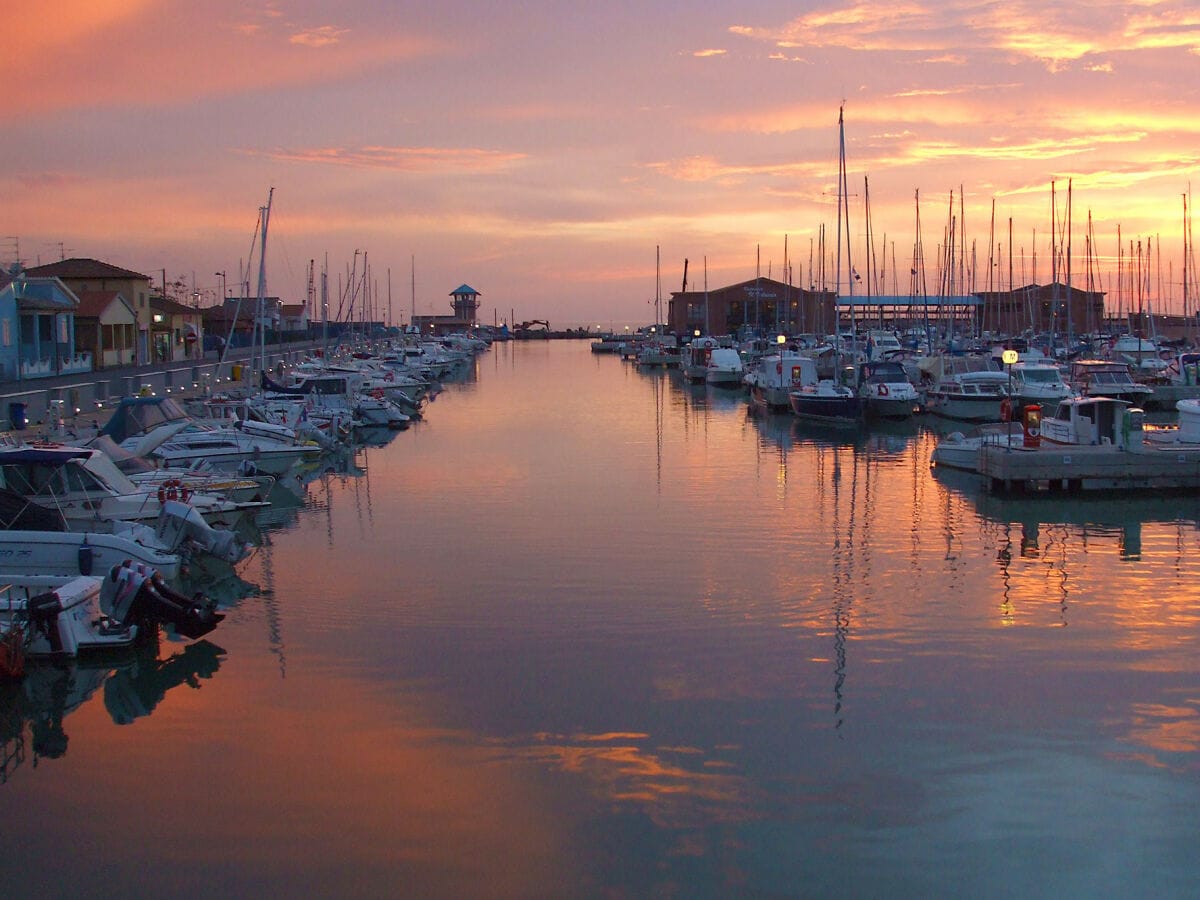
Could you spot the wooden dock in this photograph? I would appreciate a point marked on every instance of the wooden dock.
(1070, 469)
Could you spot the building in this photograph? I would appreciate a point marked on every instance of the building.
(106, 326)
(1042, 308)
(83, 274)
(465, 304)
(176, 331)
(293, 318)
(761, 303)
(37, 329)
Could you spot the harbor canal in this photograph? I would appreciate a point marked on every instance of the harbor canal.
(586, 630)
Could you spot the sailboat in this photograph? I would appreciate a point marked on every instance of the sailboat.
(827, 399)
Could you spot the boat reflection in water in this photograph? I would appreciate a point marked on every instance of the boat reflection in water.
(33, 711)
(1050, 547)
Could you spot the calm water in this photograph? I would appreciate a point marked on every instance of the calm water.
(586, 631)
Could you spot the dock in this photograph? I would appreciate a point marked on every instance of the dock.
(1072, 468)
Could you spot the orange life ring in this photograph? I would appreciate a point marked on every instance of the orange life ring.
(377, 393)
(171, 489)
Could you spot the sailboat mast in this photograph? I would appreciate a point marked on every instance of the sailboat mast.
(843, 221)
(262, 278)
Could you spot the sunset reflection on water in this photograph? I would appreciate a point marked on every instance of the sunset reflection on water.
(588, 630)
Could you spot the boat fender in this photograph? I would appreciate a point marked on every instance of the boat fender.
(85, 557)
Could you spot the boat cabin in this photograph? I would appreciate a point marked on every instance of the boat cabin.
(1093, 421)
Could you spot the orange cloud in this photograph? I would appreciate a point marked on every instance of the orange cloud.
(322, 36)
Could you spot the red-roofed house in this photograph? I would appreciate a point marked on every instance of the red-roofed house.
(82, 274)
(106, 325)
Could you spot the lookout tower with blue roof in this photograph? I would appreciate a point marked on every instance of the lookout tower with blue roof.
(466, 303)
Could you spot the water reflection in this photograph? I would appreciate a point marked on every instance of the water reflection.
(33, 711)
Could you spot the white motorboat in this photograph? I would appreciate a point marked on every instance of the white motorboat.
(961, 451)
(1093, 421)
(1039, 383)
(693, 358)
(87, 488)
(159, 427)
(336, 393)
(49, 616)
(724, 368)
(774, 376)
(1141, 353)
(886, 391)
(969, 396)
(45, 616)
(1105, 378)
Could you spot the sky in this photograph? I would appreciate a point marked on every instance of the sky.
(564, 159)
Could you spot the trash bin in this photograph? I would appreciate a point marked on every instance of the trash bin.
(16, 416)
(235, 372)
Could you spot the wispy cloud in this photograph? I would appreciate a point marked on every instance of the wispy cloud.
(1055, 34)
(321, 36)
(712, 52)
(401, 159)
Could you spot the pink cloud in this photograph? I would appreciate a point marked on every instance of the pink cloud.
(141, 53)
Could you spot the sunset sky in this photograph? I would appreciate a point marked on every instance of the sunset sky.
(541, 151)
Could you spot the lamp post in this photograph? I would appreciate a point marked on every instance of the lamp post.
(780, 340)
(1008, 357)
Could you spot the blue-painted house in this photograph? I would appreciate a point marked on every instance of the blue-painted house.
(37, 329)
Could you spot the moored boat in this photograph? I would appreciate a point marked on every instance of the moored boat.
(886, 391)
(969, 396)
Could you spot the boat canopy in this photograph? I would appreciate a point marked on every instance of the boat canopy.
(137, 415)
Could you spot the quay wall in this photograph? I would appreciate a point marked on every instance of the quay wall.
(49, 400)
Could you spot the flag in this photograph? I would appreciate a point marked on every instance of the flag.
(854, 272)
(912, 271)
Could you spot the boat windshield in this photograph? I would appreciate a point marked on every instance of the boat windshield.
(1041, 376)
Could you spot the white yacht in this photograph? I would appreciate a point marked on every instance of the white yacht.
(1038, 383)
(724, 368)
(159, 427)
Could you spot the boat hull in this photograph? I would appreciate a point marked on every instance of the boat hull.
(819, 408)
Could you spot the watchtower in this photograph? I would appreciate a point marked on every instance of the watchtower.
(466, 303)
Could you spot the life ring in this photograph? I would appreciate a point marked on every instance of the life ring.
(173, 489)
(390, 376)
(883, 390)
(377, 393)
(1005, 410)
(779, 368)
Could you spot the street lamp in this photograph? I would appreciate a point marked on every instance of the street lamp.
(780, 340)
(1008, 357)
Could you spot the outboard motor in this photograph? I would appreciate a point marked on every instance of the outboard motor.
(178, 522)
(137, 593)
